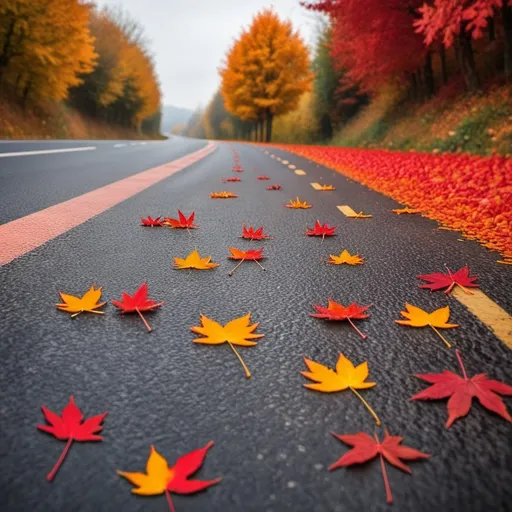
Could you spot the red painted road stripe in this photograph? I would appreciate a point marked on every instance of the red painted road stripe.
(25, 234)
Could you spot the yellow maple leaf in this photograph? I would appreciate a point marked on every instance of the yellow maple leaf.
(360, 215)
(327, 187)
(346, 376)
(298, 204)
(88, 302)
(345, 257)
(193, 260)
(399, 211)
(416, 317)
(237, 332)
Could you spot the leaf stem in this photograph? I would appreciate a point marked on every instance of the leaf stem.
(260, 265)
(457, 353)
(389, 496)
(358, 331)
(76, 314)
(144, 320)
(367, 405)
(169, 501)
(441, 336)
(51, 475)
(247, 372)
(241, 261)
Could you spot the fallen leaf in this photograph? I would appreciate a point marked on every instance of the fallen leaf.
(160, 478)
(400, 211)
(193, 260)
(274, 187)
(182, 222)
(252, 234)
(416, 317)
(365, 448)
(298, 204)
(87, 303)
(233, 179)
(250, 255)
(263, 177)
(461, 391)
(237, 168)
(137, 303)
(360, 215)
(346, 376)
(335, 311)
(69, 427)
(327, 187)
(237, 332)
(223, 195)
(345, 257)
(152, 222)
(321, 230)
(438, 280)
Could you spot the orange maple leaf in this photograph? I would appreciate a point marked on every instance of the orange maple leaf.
(298, 204)
(223, 195)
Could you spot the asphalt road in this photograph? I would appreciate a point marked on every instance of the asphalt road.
(272, 436)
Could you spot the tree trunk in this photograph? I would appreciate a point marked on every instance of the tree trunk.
(270, 118)
(26, 92)
(261, 124)
(506, 15)
(467, 61)
(491, 28)
(444, 69)
(428, 73)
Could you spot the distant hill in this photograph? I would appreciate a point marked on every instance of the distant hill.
(174, 115)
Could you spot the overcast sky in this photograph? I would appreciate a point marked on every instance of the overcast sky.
(189, 39)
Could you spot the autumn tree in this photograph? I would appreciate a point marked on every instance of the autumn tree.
(266, 71)
(123, 88)
(45, 46)
(457, 22)
(374, 41)
(336, 99)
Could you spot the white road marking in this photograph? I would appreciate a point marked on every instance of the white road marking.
(119, 145)
(47, 151)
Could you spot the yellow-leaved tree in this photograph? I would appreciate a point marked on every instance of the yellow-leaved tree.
(266, 71)
(45, 46)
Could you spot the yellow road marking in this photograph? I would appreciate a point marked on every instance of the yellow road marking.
(278, 158)
(291, 166)
(272, 156)
(285, 162)
(316, 186)
(488, 312)
(300, 172)
(348, 212)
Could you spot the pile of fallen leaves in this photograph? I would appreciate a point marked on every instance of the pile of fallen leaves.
(466, 193)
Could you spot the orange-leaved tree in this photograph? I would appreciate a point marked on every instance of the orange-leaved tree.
(45, 46)
(266, 71)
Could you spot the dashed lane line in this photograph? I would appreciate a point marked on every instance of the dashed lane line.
(488, 312)
(300, 172)
(316, 186)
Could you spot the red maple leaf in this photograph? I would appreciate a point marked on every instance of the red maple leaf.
(68, 426)
(335, 311)
(461, 391)
(250, 255)
(237, 168)
(263, 177)
(366, 448)
(182, 222)
(320, 230)
(439, 280)
(137, 303)
(274, 187)
(152, 222)
(160, 478)
(252, 234)
(231, 180)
